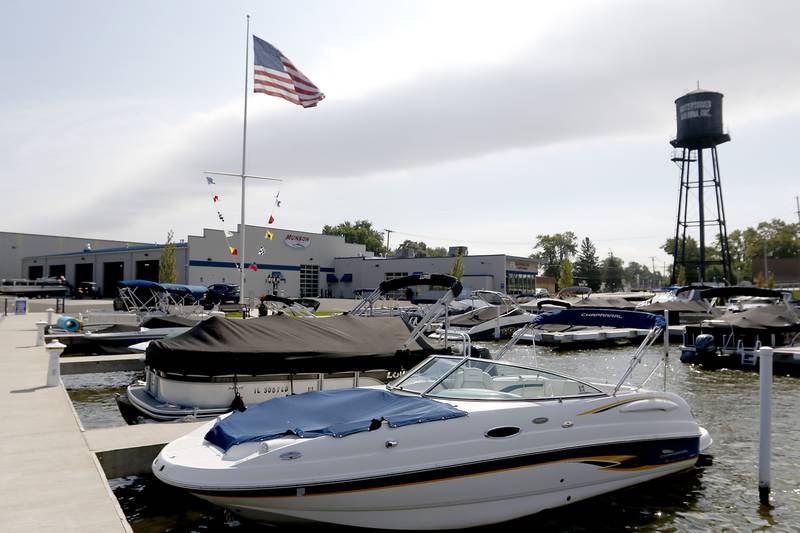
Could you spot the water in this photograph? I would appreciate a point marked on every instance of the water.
(722, 496)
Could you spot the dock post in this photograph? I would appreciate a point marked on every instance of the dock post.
(40, 325)
(666, 346)
(50, 312)
(765, 428)
(497, 325)
(54, 350)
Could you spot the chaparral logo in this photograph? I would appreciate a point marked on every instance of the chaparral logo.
(601, 315)
(297, 241)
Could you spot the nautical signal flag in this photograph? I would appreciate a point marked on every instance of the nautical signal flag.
(261, 251)
(210, 180)
(216, 198)
(275, 75)
(233, 250)
(229, 234)
(271, 219)
(220, 216)
(277, 203)
(253, 267)
(268, 236)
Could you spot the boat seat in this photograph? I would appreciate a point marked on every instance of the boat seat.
(526, 386)
(561, 387)
(473, 378)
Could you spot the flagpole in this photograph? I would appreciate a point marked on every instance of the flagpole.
(244, 159)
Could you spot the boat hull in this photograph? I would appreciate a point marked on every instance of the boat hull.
(467, 495)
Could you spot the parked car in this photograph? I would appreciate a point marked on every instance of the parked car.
(221, 293)
(85, 290)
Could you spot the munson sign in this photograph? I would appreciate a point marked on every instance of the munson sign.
(297, 241)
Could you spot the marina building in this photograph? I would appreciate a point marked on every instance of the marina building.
(289, 262)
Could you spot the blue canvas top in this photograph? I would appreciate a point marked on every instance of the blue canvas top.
(337, 413)
(613, 318)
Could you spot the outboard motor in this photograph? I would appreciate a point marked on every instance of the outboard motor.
(704, 348)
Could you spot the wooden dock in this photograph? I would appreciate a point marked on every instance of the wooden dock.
(51, 471)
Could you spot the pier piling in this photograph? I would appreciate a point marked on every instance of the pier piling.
(765, 429)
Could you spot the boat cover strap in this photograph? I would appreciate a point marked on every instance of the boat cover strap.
(336, 413)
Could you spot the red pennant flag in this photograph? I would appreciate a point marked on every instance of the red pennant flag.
(253, 267)
(233, 250)
(271, 219)
(216, 198)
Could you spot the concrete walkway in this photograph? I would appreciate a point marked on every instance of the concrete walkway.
(49, 480)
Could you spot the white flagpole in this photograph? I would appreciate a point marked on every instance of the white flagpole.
(244, 159)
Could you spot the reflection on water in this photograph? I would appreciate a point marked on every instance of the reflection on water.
(720, 497)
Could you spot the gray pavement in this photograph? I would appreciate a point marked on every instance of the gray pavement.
(49, 480)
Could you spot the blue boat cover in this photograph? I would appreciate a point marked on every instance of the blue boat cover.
(196, 291)
(337, 413)
(612, 318)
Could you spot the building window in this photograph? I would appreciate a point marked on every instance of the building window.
(520, 283)
(309, 281)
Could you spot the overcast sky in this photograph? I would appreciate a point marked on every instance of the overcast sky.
(457, 123)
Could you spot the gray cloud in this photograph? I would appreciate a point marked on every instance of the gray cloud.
(609, 73)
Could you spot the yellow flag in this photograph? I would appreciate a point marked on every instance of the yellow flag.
(268, 236)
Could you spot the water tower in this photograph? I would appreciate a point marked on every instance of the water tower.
(699, 117)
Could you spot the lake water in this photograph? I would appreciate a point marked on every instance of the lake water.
(722, 496)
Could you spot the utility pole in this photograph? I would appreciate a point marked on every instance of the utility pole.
(388, 232)
(653, 274)
(797, 201)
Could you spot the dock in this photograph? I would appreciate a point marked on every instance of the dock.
(52, 475)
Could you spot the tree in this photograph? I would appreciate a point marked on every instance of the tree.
(566, 280)
(420, 249)
(612, 273)
(458, 268)
(587, 266)
(167, 271)
(553, 249)
(358, 232)
(680, 275)
(637, 275)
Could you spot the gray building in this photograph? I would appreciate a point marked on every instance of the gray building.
(107, 266)
(293, 263)
(14, 247)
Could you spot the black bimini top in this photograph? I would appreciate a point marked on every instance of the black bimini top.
(282, 344)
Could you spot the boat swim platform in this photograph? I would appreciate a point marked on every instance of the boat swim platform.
(51, 477)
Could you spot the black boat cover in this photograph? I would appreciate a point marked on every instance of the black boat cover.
(336, 413)
(282, 344)
(777, 317)
(169, 321)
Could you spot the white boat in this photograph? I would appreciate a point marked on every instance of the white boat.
(227, 364)
(457, 442)
(38, 288)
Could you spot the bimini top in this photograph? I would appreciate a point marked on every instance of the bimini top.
(612, 318)
(196, 291)
(440, 280)
(336, 413)
(282, 344)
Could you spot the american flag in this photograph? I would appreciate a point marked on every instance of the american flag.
(277, 76)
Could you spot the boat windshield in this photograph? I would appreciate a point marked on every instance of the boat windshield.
(480, 379)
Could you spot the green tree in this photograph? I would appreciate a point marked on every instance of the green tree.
(680, 275)
(566, 279)
(553, 249)
(167, 270)
(587, 266)
(458, 268)
(612, 273)
(420, 249)
(358, 232)
(637, 275)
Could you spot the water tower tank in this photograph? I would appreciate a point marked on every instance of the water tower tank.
(699, 117)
